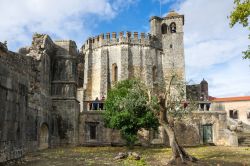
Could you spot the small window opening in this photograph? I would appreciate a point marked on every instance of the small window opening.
(173, 27)
(233, 114)
(114, 73)
(248, 115)
(154, 71)
(92, 130)
(164, 28)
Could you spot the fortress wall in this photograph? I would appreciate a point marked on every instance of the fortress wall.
(131, 60)
(130, 38)
(26, 102)
(14, 84)
(64, 91)
(25, 97)
(40, 104)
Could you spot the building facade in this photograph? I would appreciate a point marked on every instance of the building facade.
(51, 94)
(237, 108)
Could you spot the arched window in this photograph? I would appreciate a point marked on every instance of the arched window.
(114, 73)
(44, 137)
(233, 114)
(248, 115)
(154, 72)
(173, 27)
(164, 28)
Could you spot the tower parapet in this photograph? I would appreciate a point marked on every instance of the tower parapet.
(129, 38)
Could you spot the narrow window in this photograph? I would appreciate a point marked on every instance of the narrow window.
(164, 28)
(235, 116)
(92, 130)
(114, 73)
(231, 113)
(173, 27)
(248, 115)
(154, 71)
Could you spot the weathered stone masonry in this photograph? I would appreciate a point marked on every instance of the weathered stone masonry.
(38, 97)
(46, 88)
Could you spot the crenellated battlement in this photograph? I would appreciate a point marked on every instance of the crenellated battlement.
(110, 39)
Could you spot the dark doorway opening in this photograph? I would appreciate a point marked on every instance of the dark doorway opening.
(207, 132)
(92, 130)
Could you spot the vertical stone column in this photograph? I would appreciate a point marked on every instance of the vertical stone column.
(64, 91)
(147, 67)
(121, 37)
(128, 36)
(113, 35)
(135, 35)
(124, 70)
(108, 36)
(104, 72)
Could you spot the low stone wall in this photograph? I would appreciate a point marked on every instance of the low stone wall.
(188, 131)
(104, 136)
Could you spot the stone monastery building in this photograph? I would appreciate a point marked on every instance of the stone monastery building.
(47, 90)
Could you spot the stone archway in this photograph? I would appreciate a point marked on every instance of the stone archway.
(44, 137)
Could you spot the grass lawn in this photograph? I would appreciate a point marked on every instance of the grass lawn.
(101, 156)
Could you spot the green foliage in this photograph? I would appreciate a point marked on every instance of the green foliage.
(128, 110)
(176, 97)
(240, 15)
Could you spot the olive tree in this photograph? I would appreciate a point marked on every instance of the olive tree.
(172, 108)
(127, 110)
(132, 106)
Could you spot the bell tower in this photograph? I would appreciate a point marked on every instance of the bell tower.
(169, 30)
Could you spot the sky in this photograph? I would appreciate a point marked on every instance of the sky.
(213, 50)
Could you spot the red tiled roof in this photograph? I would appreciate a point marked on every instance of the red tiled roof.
(240, 98)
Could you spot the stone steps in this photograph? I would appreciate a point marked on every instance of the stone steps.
(244, 139)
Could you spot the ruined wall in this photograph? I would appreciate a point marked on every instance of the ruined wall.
(40, 105)
(64, 91)
(30, 119)
(14, 84)
(25, 97)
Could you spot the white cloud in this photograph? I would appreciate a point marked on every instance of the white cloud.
(213, 49)
(62, 19)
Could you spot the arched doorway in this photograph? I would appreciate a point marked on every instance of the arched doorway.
(44, 137)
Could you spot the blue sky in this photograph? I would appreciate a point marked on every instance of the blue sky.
(212, 49)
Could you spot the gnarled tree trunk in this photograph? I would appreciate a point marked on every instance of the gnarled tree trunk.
(178, 152)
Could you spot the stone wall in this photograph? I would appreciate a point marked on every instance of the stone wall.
(104, 136)
(131, 61)
(14, 84)
(153, 58)
(189, 131)
(64, 91)
(38, 89)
